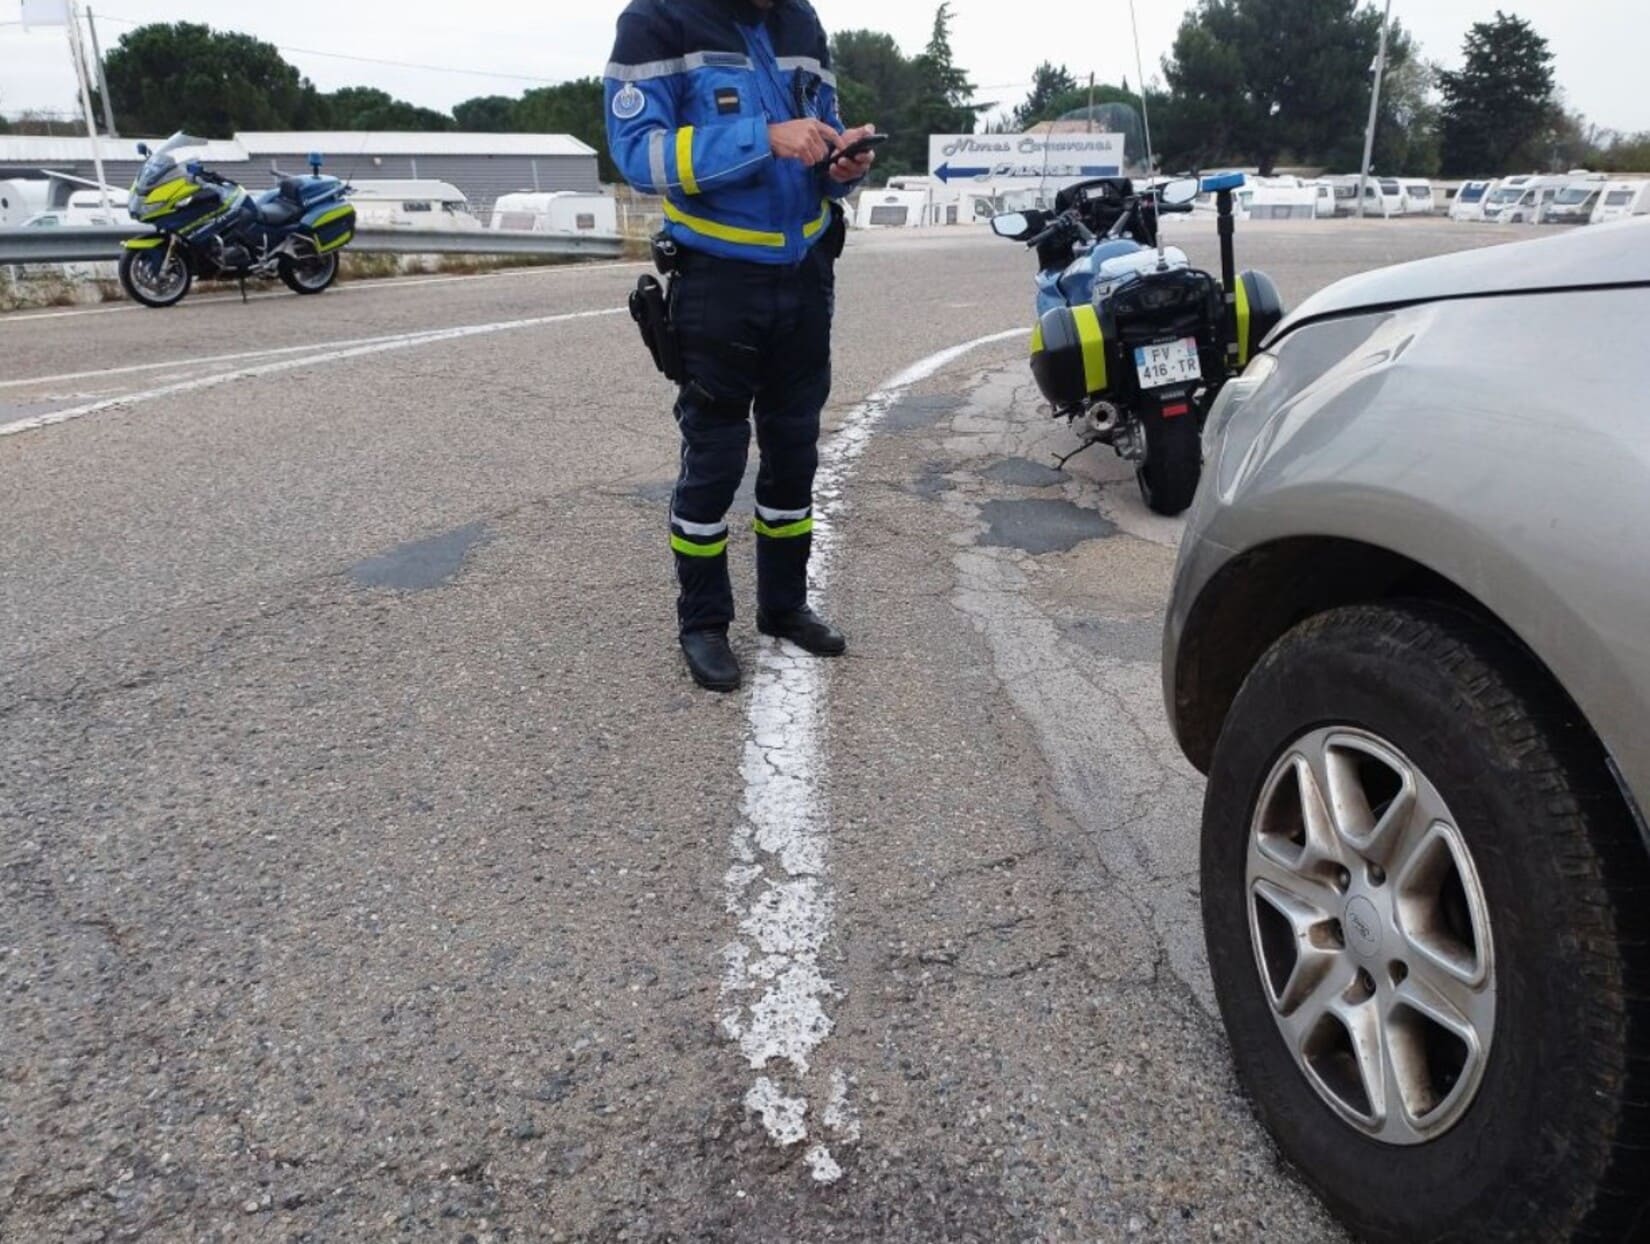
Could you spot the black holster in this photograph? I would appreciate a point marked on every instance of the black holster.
(650, 308)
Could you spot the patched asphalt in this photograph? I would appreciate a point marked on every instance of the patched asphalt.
(364, 852)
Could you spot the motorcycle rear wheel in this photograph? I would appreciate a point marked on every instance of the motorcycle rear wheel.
(309, 272)
(155, 277)
(1174, 464)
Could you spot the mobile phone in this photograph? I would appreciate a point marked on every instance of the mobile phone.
(855, 149)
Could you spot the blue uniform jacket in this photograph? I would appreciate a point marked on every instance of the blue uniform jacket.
(691, 91)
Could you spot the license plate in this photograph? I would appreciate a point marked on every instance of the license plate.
(1167, 362)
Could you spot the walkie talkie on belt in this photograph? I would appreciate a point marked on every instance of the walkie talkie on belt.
(651, 305)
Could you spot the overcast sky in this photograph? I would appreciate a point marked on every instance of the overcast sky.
(1600, 45)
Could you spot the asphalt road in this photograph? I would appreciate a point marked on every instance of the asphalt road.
(370, 869)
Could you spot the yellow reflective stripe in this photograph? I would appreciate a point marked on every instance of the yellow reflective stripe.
(689, 549)
(721, 232)
(684, 160)
(333, 215)
(176, 189)
(1094, 348)
(342, 239)
(813, 229)
(787, 532)
(1242, 322)
(142, 244)
(1037, 338)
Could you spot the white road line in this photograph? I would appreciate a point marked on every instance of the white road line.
(207, 360)
(774, 995)
(403, 342)
(377, 285)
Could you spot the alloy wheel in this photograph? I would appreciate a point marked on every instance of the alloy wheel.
(1372, 935)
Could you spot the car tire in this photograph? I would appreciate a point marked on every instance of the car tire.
(1174, 463)
(1555, 1142)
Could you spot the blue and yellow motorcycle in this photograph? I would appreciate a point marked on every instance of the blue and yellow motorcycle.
(208, 226)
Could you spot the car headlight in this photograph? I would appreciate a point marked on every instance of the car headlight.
(1234, 397)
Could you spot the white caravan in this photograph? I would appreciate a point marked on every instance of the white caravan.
(558, 211)
(419, 205)
(1468, 203)
(1618, 200)
(1418, 197)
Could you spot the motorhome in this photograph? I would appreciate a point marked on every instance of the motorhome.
(93, 207)
(1468, 203)
(1618, 200)
(1573, 204)
(1533, 199)
(569, 212)
(418, 204)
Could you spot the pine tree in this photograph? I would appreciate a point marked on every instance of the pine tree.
(1501, 101)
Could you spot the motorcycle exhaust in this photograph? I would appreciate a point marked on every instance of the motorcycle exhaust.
(1100, 421)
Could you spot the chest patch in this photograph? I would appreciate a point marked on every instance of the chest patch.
(629, 103)
(727, 101)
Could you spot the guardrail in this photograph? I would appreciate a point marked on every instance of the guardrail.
(101, 243)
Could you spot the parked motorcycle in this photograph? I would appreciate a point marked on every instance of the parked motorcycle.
(208, 226)
(1133, 343)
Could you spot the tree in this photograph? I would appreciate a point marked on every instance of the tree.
(1259, 79)
(368, 108)
(577, 108)
(186, 76)
(486, 114)
(944, 99)
(1500, 102)
(877, 83)
(1049, 85)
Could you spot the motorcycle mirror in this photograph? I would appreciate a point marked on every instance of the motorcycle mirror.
(143, 150)
(1013, 225)
(1179, 192)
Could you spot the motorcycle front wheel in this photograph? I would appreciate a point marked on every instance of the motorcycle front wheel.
(157, 277)
(1174, 464)
(309, 272)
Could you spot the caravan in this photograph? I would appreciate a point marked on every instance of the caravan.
(425, 205)
(1468, 203)
(1618, 200)
(1418, 197)
(569, 212)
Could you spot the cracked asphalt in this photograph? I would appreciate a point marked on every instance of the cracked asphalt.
(364, 849)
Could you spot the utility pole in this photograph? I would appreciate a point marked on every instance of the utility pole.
(102, 78)
(1374, 108)
(1091, 103)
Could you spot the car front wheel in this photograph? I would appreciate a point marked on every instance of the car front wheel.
(1426, 912)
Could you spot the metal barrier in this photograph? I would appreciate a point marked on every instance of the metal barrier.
(101, 244)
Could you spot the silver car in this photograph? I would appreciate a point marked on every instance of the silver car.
(1409, 643)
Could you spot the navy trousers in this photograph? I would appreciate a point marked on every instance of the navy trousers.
(756, 339)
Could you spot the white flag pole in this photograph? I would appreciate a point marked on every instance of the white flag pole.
(78, 51)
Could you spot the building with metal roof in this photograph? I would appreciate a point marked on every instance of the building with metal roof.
(483, 166)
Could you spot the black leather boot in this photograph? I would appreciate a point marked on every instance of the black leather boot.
(806, 629)
(710, 660)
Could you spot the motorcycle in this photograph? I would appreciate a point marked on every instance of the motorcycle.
(1133, 344)
(209, 227)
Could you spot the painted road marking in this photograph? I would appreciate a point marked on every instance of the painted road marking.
(775, 996)
(405, 341)
(377, 285)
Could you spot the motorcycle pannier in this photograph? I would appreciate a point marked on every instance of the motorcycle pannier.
(1068, 356)
(333, 226)
(1259, 311)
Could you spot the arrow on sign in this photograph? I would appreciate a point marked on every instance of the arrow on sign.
(945, 172)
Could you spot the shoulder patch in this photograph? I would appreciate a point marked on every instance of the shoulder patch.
(629, 102)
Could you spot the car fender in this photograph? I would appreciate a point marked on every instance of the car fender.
(1453, 435)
